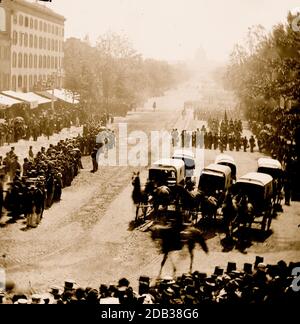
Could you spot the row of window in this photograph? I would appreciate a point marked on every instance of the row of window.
(38, 25)
(36, 61)
(22, 39)
(4, 53)
(18, 82)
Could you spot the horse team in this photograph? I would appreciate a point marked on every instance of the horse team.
(255, 197)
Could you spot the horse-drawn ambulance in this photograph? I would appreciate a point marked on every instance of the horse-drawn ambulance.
(256, 189)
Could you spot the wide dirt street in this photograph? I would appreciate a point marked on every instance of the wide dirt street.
(87, 236)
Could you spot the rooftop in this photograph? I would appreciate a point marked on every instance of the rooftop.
(38, 7)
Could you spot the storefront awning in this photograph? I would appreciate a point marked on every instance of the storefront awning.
(64, 95)
(7, 101)
(33, 99)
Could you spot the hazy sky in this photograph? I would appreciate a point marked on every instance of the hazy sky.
(172, 29)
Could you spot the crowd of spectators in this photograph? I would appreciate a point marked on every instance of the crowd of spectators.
(255, 284)
(27, 187)
(41, 122)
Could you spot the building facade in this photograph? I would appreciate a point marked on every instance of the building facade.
(31, 46)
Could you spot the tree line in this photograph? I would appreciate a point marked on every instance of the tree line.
(111, 76)
(264, 72)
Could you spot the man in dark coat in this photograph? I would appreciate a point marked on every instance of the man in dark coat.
(252, 143)
(94, 159)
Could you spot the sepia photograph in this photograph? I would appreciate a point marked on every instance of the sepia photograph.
(150, 154)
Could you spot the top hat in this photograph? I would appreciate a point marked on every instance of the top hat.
(247, 268)
(202, 275)
(218, 271)
(231, 266)
(54, 290)
(258, 259)
(69, 284)
(144, 279)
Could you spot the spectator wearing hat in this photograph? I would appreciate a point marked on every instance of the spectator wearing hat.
(80, 296)
(92, 297)
(37, 299)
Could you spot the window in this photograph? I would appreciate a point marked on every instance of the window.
(48, 62)
(15, 19)
(56, 30)
(15, 38)
(44, 43)
(2, 20)
(19, 81)
(6, 84)
(35, 24)
(35, 61)
(14, 60)
(21, 39)
(45, 27)
(49, 28)
(55, 62)
(25, 82)
(35, 41)
(52, 29)
(14, 83)
(52, 62)
(25, 60)
(31, 41)
(52, 44)
(44, 62)
(26, 22)
(20, 60)
(48, 44)
(21, 20)
(40, 42)
(30, 61)
(40, 61)
(31, 23)
(35, 80)
(41, 26)
(6, 53)
(56, 45)
(30, 82)
(25, 39)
